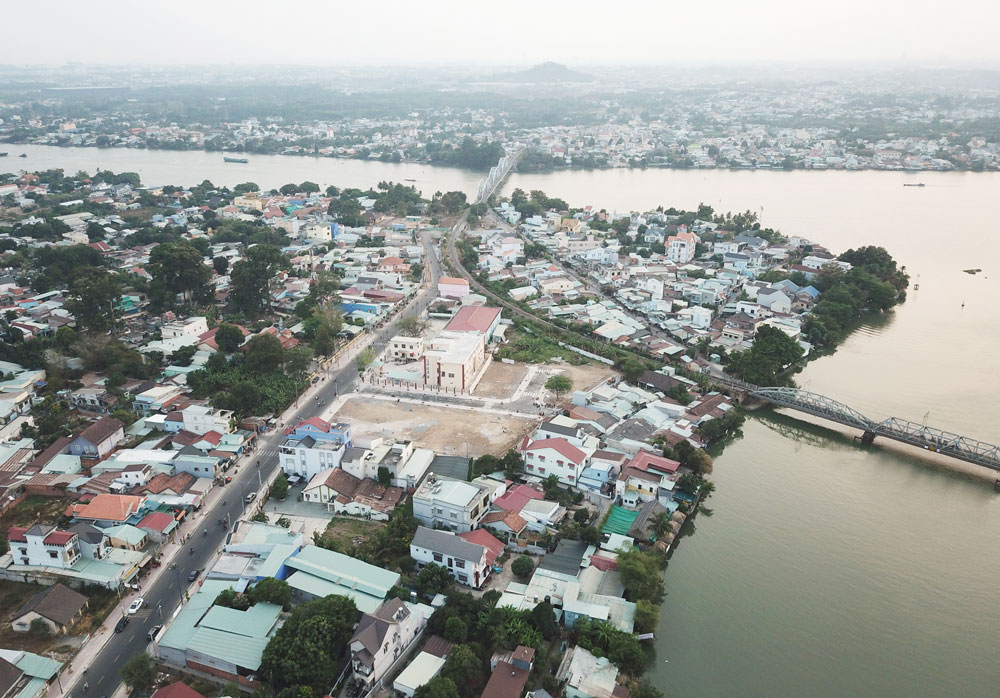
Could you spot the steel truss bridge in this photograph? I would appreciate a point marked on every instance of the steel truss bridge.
(928, 438)
(491, 182)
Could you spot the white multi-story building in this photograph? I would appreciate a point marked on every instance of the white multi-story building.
(681, 247)
(192, 327)
(402, 348)
(559, 457)
(445, 502)
(306, 457)
(201, 419)
(383, 636)
(469, 563)
(43, 546)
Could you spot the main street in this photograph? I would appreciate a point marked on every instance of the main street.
(207, 537)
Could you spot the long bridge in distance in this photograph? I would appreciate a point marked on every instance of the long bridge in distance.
(928, 438)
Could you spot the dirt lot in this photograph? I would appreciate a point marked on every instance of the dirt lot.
(584, 377)
(13, 595)
(350, 532)
(501, 379)
(35, 509)
(442, 429)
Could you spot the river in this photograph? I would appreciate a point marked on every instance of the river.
(825, 569)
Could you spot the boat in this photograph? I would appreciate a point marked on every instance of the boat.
(243, 160)
(3, 155)
(23, 155)
(918, 184)
(409, 180)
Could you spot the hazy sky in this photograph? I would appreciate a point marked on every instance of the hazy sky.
(504, 32)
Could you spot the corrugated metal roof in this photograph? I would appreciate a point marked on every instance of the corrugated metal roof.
(344, 570)
(320, 588)
(256, 621)
(236, 649)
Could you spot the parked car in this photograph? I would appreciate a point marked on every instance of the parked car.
(153, 632)
(193, 574)
(136, 605)
(122, 622)
(252, 496)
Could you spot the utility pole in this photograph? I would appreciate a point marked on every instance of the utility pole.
(58, 672)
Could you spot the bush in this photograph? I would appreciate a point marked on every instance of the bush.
(455, 630)
(522, 567)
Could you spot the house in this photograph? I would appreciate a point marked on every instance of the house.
(382, 636)
(307, 457)
(681, 247)
(510, 673)
(344, 493)
(446, 502)
(43, 546)
(470, 563)
(57, 606)
(201, 419)
(405, 349)
(424, 667)
(555, 456)
(477, 319)
(177, 689)
(318, 572)
(106, 510)
(25, 674)
(321, 430)
(452, 287)
(191, 328)
(587, 676)
(92, 400)
(99, 439)
(644, 477)
(453, 360)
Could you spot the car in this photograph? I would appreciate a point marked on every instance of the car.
(252, 496)
(229, 478)
(193, 575)
(122, 622)
(136, 605)
(153, 632)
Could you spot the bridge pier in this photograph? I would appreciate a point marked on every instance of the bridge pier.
(868, 438)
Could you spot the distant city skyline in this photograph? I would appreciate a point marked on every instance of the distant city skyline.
(918, 34)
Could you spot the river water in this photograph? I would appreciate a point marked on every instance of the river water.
(824, 569)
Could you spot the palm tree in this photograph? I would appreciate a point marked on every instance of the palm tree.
(659, 524)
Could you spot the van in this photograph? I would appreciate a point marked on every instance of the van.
(153, 632)
(250, 497)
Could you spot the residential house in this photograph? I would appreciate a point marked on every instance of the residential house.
(446, 502)
(470, 563)
(556, 456)
(201, 419)
(307, 458)
(43, 546)
(452, 287)
(510, 672)
(476, 319)
(344, 493)
(57, 606)
(587, 676)
(383, 635)
(99, 439)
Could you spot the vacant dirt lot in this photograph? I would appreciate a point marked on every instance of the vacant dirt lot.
(584, 377)
(501, 380)
(351, 532)
(442, 429)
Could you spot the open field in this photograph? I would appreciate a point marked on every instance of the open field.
(35, 509)
(585, 376)
(500, 380)
(446, 430)
(351, 532)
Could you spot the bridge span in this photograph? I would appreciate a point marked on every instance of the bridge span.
(928, 438)
(497, 174)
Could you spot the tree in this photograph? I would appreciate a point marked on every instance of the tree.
(39, 628)
(581, 516)
(264, 353)
(455, 630)
(639, 571)
(329, 323)
(647, 615)
(522, 566)
(306, 649)
(465, 670)
(772, 350)
(271, 590)
(245, 187)
(559, 384)
(250, 278)
(384, 476)
(95, 293)
(178, 268)
(543, 617)
(139, 672)
(433, 579)
(365, 359)
(297, 360)
(221, 265)
(232, 690)
(309, 187)
(412, 326)
(228, 338)
(438, 687)
(279, 488)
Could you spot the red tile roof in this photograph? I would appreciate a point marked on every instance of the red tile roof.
(59, 538)
(177, 690)
(473, 319)
(562, 446)
(516, 498)
(156, 521)
(644, 460)
(484, 538)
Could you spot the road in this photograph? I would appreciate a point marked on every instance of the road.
(163, 595)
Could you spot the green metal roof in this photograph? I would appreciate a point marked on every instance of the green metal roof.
(256, 621)
(275, 560)
(127, 533)
(260, 533)
(620, 521)
(236, 649)
(183, 627)
(344, 570)
(36, 687)
(38, 666)
(320, 588)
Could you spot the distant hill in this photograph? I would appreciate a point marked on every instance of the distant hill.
(545, 72)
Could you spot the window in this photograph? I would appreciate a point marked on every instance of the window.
(454, 515)
(464, 578)
(530, 466)
(559, 462)
(438, 557)
(541, 470)
(460, 564)
(541, 458)
(52, 554)
(24, 551)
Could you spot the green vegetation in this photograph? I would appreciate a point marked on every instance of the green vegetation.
(251, 383)
(433, 579)
(308, 650)
(139, 672)
(640, 574)
(622, 648)
(522, 567)
(469, 155)
(771, 353)
(560, 384)
(251, 278)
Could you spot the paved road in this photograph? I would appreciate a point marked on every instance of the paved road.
(207, 537)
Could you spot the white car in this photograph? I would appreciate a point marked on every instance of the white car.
(136, 605)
